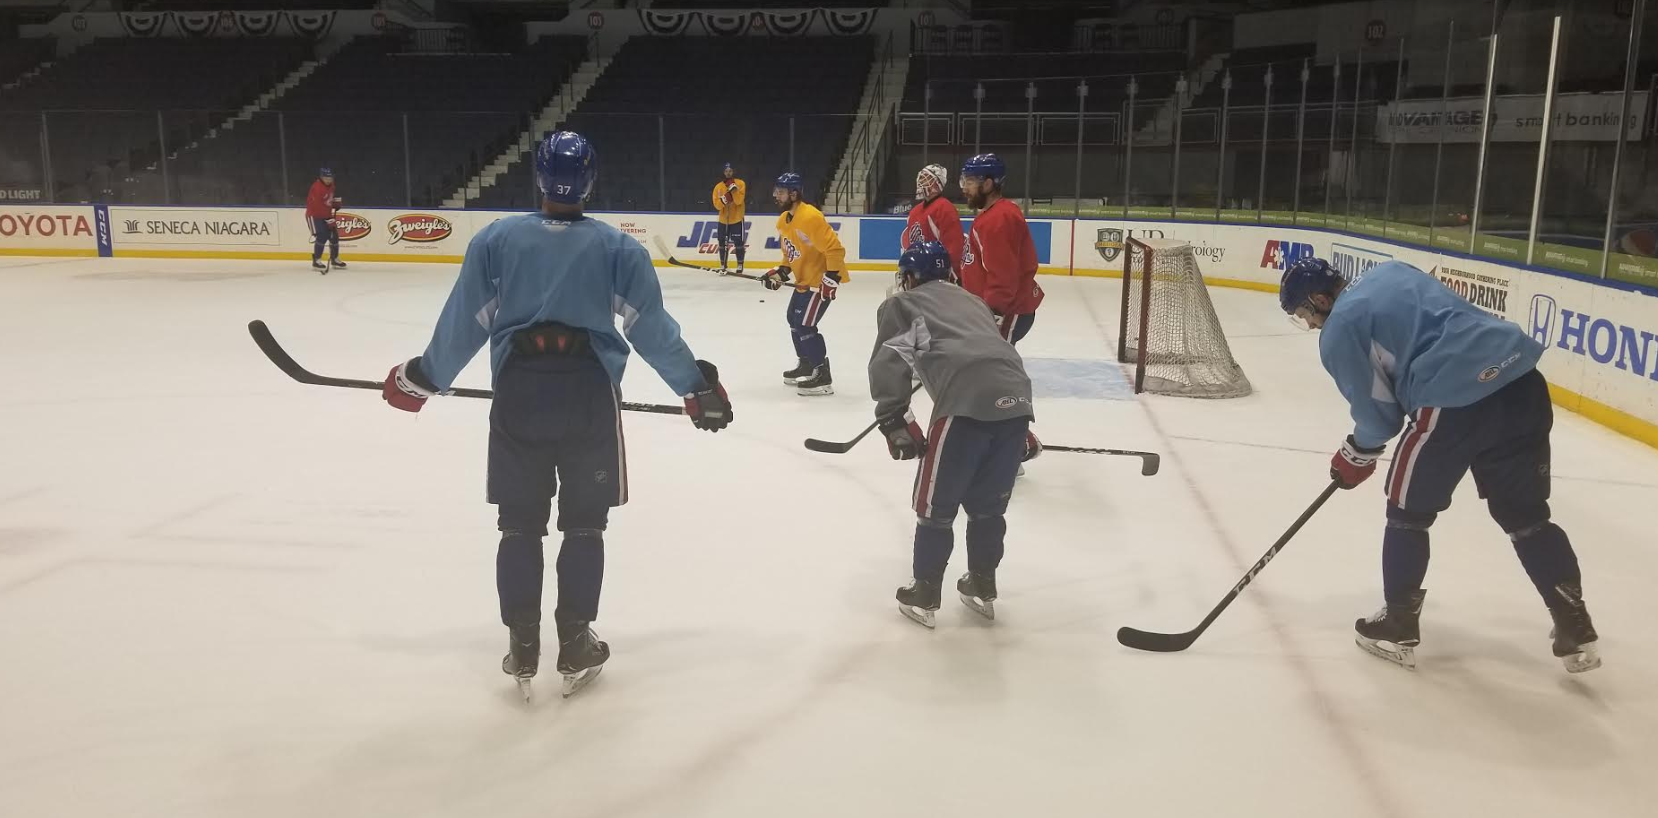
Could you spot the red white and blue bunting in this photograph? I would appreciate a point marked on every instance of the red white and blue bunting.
(777, 24)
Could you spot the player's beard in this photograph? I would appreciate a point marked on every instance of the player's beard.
(977, 200)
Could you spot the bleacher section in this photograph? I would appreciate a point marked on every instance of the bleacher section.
(19, 56)
(116, 87)
(721, 99)
(462, 109)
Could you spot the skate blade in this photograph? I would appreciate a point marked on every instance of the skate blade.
(921, 616)
(574, 682)
(815, 391)
(1401, 655)
(524, 688)
(1583, 662)
(795, 382)
(983, 607)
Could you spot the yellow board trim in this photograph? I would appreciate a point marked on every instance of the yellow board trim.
(1611, 417)
(47, 251)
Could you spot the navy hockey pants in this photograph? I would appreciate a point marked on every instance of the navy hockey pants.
(806, 308)
(324, 233)
(555, 429)
(970, 464)
(1504, 440)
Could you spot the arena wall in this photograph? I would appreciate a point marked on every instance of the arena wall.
(1602, 338)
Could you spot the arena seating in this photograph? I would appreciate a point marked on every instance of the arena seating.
(126, 93)
(721, 99)
(462, 110)
(20, 55)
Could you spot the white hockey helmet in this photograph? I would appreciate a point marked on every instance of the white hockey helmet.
(930, 181)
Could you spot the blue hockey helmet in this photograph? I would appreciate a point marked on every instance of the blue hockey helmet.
(924, 261)
(1305, 278)
(565, 167)
(790, 181)
(325, 172)
(985, 166)
(727, 167)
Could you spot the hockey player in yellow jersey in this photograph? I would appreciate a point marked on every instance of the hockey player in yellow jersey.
(813, 255)
(730, 195)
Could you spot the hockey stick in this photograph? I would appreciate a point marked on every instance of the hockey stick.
(663, 248)
(1149, 461)
(1172, 642)
(285, 362)
(829, 447)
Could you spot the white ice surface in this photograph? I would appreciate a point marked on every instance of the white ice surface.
(226, 594)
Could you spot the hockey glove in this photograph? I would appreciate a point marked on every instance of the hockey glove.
(776, 277)
(1033, 446)
(831, 285)
(709, 407)
(407, 388)
(1351, 465)
(905, 440)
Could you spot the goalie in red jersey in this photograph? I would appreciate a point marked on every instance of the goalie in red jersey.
(934, 218)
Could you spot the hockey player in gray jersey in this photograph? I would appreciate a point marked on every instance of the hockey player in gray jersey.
(980, 428)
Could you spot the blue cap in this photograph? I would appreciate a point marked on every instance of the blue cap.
(1305, 278)
(985, 166)
(566, 167)
(789, 181)
(727, 166)
(926, 260)
(325, 171)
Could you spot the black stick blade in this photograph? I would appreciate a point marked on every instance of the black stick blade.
(1155, 642)
(827, 447)
(1150, 463)
(279, 356)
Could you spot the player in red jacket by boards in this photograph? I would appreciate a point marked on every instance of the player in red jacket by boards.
(320, 206)
(999, 262)
(934, 218)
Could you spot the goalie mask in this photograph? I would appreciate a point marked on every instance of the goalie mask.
(929, 183)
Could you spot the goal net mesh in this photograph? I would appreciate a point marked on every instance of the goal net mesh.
(1169, 330)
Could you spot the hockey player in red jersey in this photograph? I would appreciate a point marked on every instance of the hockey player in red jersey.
(934, 218)
(999, 262)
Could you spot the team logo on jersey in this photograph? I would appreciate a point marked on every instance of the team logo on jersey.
(916, 235)
(351, 226)
(790, 252)
(418, 227)
(1108, 242)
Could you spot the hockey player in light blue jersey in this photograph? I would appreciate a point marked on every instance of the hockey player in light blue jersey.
(1406, 351)
(544, 290)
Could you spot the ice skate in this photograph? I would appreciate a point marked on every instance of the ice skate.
(801, 370)
(337, 264)
(723, 271)
(581, 656)
(319, 266)
(919, 601)
(523, 656)
(978, 593)
(1393, 632)
(1573, 633)
(818, 383)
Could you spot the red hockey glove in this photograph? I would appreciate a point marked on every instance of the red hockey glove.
(905, 440)
(709, 408)
(407, 388)
(1033, 446)
(1351, 465)
(831, 285)
(776, 277)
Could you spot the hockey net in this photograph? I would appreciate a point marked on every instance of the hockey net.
(1169, 330)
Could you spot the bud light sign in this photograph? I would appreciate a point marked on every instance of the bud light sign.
(1630, 349)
